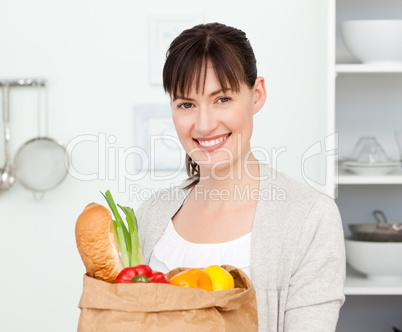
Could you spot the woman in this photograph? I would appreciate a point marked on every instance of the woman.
(234, 209)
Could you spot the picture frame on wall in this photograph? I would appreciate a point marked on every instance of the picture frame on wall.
(155, 134)
(163, 29)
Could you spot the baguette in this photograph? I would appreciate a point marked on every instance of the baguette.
(97, 243)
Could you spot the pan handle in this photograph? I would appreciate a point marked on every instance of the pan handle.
(6, 121)
(397, 227)
(380, 217)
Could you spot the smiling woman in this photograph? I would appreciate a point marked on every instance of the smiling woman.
(215, 126)
(290, 246)
(211, 70)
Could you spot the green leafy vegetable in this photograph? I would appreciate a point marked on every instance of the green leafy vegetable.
(136, 253)
(127, 239)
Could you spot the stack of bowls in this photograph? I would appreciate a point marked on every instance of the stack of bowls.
(376, 249)
(377, 260)
(374, 41)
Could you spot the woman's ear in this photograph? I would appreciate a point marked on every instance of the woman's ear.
(260, 94)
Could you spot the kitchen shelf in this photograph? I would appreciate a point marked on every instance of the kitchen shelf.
(345, 177)
(357, 284)
(364, 99)
(367, 68)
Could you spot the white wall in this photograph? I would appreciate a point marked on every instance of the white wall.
(95, 55)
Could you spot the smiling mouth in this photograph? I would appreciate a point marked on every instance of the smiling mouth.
(212, 142)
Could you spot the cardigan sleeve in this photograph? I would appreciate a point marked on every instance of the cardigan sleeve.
(143, 214)
(316, 289)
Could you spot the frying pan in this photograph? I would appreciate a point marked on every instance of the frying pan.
(380, 232)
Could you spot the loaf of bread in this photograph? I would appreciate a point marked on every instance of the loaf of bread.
(97, 243)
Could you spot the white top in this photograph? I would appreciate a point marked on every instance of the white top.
(297, 247)
(172, 251)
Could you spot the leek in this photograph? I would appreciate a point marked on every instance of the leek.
(122, 235)
(127, 239)
(136, 253)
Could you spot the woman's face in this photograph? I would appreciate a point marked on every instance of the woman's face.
(215, 126)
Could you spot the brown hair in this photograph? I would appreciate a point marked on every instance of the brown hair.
(232, 58)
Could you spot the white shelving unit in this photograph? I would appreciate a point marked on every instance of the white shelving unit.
(357, 284)
(363, 100)
(368, 69)
(345, 178)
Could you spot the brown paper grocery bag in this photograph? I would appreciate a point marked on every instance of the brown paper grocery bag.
(162, 307)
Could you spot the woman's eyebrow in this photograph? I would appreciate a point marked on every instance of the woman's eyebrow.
(182, 97)
(191, 99)
(217, 92)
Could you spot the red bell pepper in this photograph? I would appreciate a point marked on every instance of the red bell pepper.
(140, 273)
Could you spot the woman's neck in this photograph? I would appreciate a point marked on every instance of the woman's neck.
(239, 179)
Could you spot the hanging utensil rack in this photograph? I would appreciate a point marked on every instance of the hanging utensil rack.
(7, 177)
(23, 82)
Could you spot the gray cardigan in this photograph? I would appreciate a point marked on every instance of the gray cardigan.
(297, 251)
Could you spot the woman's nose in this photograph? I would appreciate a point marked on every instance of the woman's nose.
(205, 122)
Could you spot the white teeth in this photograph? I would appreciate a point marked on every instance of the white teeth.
(212, 141)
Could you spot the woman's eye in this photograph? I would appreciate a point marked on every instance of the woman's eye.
(223, 100)
(185, 105)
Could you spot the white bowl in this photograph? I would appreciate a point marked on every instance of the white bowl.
(377, 260)
(374, 41)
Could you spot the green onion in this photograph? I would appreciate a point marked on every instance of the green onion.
(136, 253)
(128, 240)
(122, 234)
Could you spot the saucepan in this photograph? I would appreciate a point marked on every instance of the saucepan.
(382, 231)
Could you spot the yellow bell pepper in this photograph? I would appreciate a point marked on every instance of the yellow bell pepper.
(221, 279)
